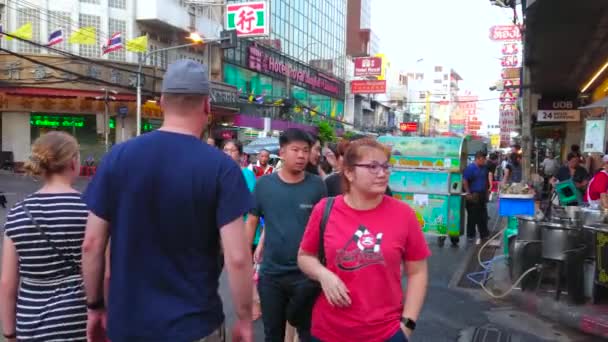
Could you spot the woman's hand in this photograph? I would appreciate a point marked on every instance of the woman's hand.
(334, 289)
(406, 330)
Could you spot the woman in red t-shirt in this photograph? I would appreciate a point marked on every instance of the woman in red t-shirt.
(367, 238)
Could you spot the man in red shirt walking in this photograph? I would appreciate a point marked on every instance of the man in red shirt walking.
(262, 167)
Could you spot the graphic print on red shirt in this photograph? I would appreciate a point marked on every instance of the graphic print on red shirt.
(360, 251)
(365, 248)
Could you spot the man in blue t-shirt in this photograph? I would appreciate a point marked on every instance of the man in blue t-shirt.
(166, 198)
(476, 186)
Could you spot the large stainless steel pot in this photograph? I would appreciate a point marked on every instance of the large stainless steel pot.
(594, 216)
(559, 239)
(528, 229)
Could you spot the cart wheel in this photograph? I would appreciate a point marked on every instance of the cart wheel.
(455, 241)
(441, 241)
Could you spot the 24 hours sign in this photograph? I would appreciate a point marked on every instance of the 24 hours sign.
(559, 116)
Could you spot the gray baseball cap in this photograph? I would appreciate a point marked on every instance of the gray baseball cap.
(186, 76)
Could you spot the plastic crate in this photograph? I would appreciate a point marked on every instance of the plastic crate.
(516, 206)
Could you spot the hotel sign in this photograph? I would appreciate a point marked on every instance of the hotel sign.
(261, 61)
(368, 66)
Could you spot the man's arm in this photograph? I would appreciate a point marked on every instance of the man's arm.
(237, 255)
(465, 186)
(251, 227)
(93, 257)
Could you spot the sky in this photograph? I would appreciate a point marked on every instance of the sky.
(445, 32)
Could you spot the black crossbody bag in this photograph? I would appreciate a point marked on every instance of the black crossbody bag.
(74, 266)
(299, 309)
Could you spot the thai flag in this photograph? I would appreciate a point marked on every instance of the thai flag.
(114, 43)
(55, 37)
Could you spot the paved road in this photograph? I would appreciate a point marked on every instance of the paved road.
(450, 314)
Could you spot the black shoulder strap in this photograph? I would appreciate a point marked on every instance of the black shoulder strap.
(75, 267)
(326, 212)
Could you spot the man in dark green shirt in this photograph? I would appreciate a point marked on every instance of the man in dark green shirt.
(285, 199)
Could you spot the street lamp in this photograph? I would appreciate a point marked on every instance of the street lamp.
(196, 40)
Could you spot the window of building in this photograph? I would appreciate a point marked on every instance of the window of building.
(158, 60)
(438, 69)
(118, 26)
(60, 20)
(96, 2)
(117, 4)
(86, 20)
(437, 81)
(445, 77)
(26, 15)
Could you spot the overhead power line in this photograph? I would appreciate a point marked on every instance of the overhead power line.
(66, 71)
(81, 58)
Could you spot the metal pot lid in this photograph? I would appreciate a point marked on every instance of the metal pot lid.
(525, 218)
(598, 227)
(554, 225)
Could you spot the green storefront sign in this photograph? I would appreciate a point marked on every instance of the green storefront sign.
(59, 121)
(52, 121)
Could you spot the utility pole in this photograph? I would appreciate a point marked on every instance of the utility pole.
(106, 118)
(526, 124)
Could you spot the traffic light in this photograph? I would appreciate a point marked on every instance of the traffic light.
(228, 39)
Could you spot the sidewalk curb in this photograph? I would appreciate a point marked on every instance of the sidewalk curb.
(592, 320)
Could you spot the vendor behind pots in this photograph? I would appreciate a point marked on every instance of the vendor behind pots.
(598, 184)
(574, 171)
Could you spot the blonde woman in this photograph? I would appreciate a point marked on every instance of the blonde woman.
(41, 290)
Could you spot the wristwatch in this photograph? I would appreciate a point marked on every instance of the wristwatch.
(409, 323)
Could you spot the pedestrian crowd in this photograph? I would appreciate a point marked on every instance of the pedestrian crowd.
(316, 246)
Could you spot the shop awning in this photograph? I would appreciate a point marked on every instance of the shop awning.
(566, 43)
(603, 103)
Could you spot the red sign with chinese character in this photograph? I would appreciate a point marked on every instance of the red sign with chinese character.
(510, 49)
(368, 87)
(408, 127)
(368, 66)
(509, 61)
(505, 33)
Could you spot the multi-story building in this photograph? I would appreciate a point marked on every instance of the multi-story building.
(301, 64)
(433, 90)
(360, 38)
(60, 88)
(368, 111)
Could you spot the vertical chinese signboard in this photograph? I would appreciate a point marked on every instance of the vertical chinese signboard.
(249, 19)
(509, 37)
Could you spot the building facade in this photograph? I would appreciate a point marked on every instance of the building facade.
(295, 76)
(48, 89)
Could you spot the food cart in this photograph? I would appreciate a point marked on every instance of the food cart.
(427, 175)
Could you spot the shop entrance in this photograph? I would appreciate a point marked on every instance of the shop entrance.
(82, 127)
(547, 139)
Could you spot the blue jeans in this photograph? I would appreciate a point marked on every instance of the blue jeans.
(398, 337)
(275, 293)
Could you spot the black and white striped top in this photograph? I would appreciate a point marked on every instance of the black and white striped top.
(51, 305)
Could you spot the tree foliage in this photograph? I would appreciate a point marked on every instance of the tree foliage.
(326, 132)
